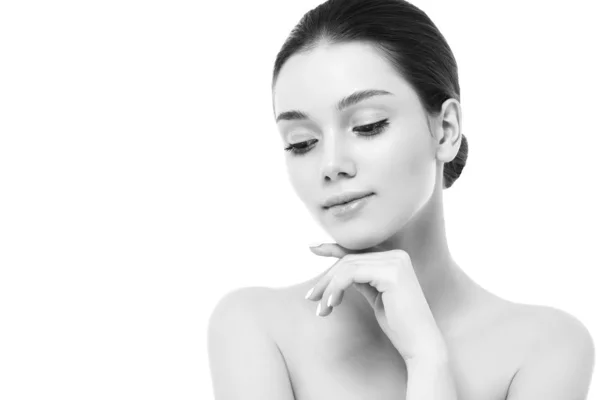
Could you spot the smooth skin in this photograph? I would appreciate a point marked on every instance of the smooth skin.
(248, 342)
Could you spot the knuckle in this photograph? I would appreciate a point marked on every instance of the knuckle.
(402, 255)
(333, 283)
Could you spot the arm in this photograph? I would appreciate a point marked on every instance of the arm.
(245, 362)
(559, 366)
(430, 378)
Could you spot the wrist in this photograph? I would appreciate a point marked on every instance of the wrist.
(430, 377)
(428, 361)
(433, 356)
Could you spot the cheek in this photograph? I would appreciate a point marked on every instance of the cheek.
(405, 160)
(301, 180)
(409, 170)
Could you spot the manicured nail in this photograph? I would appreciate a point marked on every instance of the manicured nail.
(329, 300)
(309, 293)
(319, 308)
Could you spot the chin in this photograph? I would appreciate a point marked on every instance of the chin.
(356, 239)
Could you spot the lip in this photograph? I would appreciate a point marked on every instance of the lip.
(344, 198)
(351, 208)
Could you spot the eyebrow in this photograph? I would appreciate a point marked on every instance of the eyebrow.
(344, 103)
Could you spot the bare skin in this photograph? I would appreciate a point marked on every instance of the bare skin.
(269, 344)
(345, 355)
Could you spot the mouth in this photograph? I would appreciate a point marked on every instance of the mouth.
(350, 208)
(347, 201)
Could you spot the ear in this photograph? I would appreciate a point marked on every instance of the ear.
(448, 131)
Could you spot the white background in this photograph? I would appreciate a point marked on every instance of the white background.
(142, 177)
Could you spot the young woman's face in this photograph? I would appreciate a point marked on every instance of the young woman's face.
(380, 145)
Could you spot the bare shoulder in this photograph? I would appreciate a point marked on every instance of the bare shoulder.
(540, 331)
(245, 361)
(545, 322)
(552, 326)
(251, 301)
(265, 308)
(558, 359)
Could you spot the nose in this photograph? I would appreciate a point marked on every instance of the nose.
(336, 161)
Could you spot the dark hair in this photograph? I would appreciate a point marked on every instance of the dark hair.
(405, 36)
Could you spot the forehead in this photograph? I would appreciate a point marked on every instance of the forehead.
(320, 77)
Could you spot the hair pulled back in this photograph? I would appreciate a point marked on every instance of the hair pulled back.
(403, 34)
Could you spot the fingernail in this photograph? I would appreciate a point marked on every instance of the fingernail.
(319, 308)
(314, 244)
(309, 293)
(329, 300)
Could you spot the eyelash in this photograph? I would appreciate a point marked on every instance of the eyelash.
(378, 127)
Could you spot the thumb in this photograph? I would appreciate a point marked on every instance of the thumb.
(330, 250)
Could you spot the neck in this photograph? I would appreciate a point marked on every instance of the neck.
(446, 287)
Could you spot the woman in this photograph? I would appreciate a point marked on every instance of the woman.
(367, 101)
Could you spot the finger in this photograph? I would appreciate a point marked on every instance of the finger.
(355, 272)
(331, 302)
(316, 292)
(330, 250)
(327, 304)
(336, 250)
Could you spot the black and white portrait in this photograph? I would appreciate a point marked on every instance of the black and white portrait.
(299, 200)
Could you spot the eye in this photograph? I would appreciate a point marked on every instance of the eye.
(371, 130)
(374, 128)
(300, 148)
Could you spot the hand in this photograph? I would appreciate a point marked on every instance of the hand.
(388, 281)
